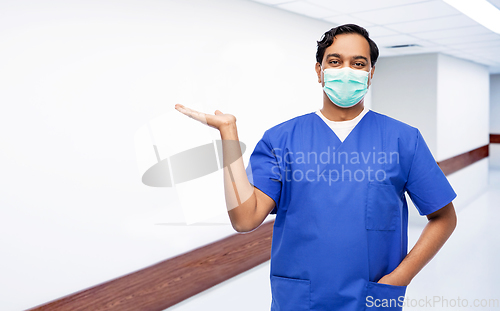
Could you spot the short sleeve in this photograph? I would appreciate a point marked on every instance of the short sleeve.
(427, 186)
(263, 170)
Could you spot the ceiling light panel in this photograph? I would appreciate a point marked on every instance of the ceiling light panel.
(348, 7)
(308, 9)
(481, 11)
(405, 13)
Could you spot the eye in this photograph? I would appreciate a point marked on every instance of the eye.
(359, 64)
(334, 62)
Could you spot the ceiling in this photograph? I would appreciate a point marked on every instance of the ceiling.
(433, 25)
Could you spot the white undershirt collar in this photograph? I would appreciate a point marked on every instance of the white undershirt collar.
(343, 124)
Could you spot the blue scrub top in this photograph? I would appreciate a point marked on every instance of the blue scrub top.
(341, 213)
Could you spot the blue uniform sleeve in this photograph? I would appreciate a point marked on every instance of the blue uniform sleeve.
(263, 170)
(427, 186)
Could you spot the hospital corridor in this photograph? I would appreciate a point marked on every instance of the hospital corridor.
(250, 155)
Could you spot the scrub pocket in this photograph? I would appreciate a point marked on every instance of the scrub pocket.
(384, 297)
(290, 294)
(382, 207)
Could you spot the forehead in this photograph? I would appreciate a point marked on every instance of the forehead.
(348, 45)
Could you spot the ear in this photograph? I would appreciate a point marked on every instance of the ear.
(372, 71)
(318, 71)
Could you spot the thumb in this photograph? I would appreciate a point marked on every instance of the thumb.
(217, 112)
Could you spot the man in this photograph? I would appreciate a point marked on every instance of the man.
(336, 179)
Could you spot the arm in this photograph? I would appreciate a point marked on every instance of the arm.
(247, 206)
(440, 226)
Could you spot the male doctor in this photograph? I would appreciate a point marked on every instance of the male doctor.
(336, 179)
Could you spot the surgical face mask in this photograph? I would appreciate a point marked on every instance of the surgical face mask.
(345, 87)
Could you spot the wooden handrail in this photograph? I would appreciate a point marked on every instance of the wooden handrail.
(494, 138)
(169, 282)
(465, 159)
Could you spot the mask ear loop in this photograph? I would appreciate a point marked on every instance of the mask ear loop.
(323, 72)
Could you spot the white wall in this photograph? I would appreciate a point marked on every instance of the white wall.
(405, 88)
(78, 79)
(463, 122)
(434, 92)
(494, 156)
(463, 106)
(495, 104)
(447, 99)
(495, 119)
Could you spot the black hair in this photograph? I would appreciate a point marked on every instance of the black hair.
(327, 40)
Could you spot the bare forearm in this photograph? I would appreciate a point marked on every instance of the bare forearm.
(239, 193)
(435, 234)
(241, 202)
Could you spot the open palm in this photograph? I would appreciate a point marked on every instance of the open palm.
(216, 120)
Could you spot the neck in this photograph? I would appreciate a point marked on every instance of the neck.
(335, 113)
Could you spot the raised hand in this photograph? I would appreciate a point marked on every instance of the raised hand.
(217, 120)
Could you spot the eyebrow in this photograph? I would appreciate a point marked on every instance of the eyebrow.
(333, 55)
(354, 57)
(360, 57)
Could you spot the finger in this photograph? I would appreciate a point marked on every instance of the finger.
(199, 116)
(217, 112)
